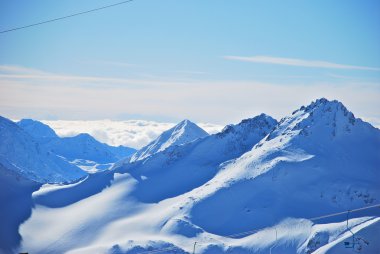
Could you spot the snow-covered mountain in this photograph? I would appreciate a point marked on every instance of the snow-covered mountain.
(179, 169)
(24, 156)
(319, 160)
(81, 149)
(260, 177)
(184, 132)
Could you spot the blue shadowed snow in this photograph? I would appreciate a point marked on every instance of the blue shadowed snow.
(92, 185)
(16, 207)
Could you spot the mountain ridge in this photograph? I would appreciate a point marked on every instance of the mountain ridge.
(190, 165)
(258, 174)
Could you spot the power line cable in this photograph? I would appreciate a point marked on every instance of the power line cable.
(345, 212)
(65, 17)
(257, 230)
(313, 218)
(243, 233)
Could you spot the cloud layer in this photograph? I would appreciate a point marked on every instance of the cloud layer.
(29, 93)
(131, 133)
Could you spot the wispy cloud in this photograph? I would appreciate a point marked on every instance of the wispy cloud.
(117, 64)
(15, 69)
(192, 72)
(298, 62)
(11, 72)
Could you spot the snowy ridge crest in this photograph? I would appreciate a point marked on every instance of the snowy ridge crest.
(37, 129)
(261, 123)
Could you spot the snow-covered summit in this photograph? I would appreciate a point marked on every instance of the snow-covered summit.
(37, 129)
(21, 154)
(184, 132)
(320, 120)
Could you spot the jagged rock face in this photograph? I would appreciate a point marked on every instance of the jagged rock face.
(259, 124)
(332, 117)
(324, 126)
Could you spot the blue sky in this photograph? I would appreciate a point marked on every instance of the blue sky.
(211, 61)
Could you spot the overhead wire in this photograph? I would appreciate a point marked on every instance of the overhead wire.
(243, 233)
(257, 230)
(345, 212)
(65, 17)
(313, 218)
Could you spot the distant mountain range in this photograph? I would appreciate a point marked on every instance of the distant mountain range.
(24, 156)
(260, 186)
(82, 150)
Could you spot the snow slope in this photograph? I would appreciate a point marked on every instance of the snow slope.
(232, 141)
(24, 167)
(24, 156)
(319, 160)
(16, 206)
(184, 132)
(126, 226)
(82, 149)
